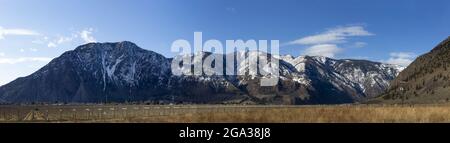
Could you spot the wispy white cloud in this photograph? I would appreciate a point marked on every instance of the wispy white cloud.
(86, 35)
(327, 43)
(51, 45)
(23, 59)
(61, 40)
(332, 36)
(17, 32)
(359, 44)
(2, 54)
(401, 58)
(327, 50)
(40, 40)
(33, 49)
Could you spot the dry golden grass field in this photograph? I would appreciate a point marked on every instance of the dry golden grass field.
(227, 114)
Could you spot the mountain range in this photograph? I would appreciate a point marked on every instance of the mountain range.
(123, 72)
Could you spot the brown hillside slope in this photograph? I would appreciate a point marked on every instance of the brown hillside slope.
(426, 80)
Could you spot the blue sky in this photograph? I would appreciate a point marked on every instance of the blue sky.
(32, 32)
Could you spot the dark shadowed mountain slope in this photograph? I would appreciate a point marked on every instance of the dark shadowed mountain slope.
(93, 73)
(123, 72)
(426, 80)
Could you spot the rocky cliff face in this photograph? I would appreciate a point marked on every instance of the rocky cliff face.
(123, 72)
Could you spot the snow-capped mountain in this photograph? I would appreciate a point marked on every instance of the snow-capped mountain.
(123, 72)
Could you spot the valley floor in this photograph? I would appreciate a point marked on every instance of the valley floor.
(227, 113)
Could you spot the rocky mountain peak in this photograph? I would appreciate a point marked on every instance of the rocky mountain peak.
(122, 71)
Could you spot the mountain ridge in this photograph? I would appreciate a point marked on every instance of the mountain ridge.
(124, 72)
(425, 80)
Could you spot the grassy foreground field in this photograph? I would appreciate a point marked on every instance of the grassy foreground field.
(226, 114)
